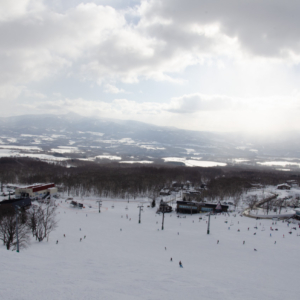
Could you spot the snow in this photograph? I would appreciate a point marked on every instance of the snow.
(111, 157)
(240, 160)
(151, 147)
(279, 163)
(133, 263)
(27, 148)
(65, 149)
(195, 163)
(136, 162)
(95, 133)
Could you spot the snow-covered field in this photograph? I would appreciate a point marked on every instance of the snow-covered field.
(122, 259)
(194, 163)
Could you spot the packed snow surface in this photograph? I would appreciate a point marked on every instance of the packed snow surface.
(122, 259)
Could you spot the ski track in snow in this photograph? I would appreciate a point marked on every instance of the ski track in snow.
(133, 263)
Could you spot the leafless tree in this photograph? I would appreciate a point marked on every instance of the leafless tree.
(8, 233)
(42, 220)
(251, 201)
(237, 198)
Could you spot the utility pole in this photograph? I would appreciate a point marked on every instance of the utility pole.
(208, 224)
(140, 207)
(100, 204)
(163, 218)
(17, 230)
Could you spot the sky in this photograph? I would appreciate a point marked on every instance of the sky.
(208, 65)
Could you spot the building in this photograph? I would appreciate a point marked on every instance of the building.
(165, 192)
(185, 207)
(20, 203)
(297, 213)
(283, 186)
(36, 191)
(164, 207)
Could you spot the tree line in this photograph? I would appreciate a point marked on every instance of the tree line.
(116, 180)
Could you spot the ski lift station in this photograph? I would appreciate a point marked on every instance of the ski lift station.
(39, 190)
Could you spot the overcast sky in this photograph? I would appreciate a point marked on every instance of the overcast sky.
(214, 65)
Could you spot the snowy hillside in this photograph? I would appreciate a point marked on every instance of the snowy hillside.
(122, 259)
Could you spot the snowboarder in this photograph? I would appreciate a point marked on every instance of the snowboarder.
(248, 228)
(254, 233)
(165, 248)
(80, 229)
(80, 239)
(255, 249)
(171, 259)
(57, 242)
(270, 234)
(85, 236)
(217, 241)
(178, 233)
(243, 242)
(275, 242)
(180, 264)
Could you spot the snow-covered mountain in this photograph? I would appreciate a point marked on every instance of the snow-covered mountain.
(75, 136)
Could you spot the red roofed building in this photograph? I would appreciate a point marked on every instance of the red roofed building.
(39, 190)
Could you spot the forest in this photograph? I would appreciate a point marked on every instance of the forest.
(129, 181)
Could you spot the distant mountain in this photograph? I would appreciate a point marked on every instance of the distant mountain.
(134, 140)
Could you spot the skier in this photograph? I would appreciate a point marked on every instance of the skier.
(275, 242)
(64, 235)
(80, 239)
(85, 236)
(217, 241)
(255, 249)
(57, 242)
(165, 248)
(171, 259)
(270, 234)
(180, 264)
(243, 242)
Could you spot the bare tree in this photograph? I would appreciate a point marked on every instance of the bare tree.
(42, 221)
(237, 198)
(8, 232)
(251, 201)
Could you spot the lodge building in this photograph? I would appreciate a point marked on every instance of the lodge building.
(36, 191)
(185, 207)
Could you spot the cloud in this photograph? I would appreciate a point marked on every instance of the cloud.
(194, 103)
(191, 59)
(265, 28)
(97, 43)
(109, 88)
